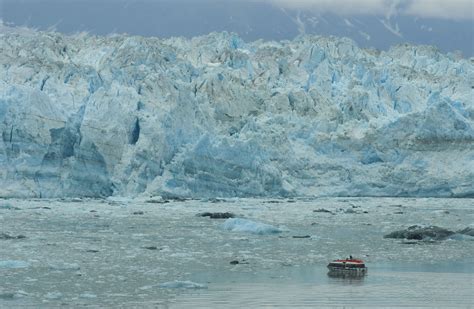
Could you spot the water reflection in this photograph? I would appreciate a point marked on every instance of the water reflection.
(347, 276)
(345, 279)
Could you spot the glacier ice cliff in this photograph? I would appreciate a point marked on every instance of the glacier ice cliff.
(211, 116)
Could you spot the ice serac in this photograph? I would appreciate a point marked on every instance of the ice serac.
(215, 116)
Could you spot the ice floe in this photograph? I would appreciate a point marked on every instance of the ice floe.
(249, 226)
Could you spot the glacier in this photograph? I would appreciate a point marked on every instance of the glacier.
(215, 116)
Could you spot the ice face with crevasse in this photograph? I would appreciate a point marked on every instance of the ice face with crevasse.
(211, 116)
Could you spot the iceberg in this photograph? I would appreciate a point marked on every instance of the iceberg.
(94, 116)
(249, 226)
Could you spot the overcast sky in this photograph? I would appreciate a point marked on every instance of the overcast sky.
(447, 24)
(448, 9)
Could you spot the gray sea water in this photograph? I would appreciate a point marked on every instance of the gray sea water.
(138, 253)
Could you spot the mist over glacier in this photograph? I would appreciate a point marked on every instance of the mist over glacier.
(214, 116)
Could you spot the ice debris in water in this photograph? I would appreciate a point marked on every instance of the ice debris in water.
(94, 116)
(88, 295)
(8, 206)
(182, 285)
(13, 264)
(54, 295)
(420, 232)
(249, 226)
(5, 295)
(458, 236)
(467, 231)
(64, 266)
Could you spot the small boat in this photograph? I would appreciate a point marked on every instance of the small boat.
(350, 266)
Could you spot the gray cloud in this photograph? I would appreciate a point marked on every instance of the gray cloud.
(447, 9)
(347, 7)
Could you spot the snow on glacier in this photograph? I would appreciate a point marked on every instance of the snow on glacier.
(211, 116)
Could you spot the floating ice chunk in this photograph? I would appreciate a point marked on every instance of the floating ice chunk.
(7, 295)
(12, 295)
(8, 206)
(119, 199)
(421, 232)
(467, 231)
(458, 236)
(13, 264)
(248, 226)
(182, 285)
(54, 295)
(64, 266)
(87, 295)
(155, 199)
